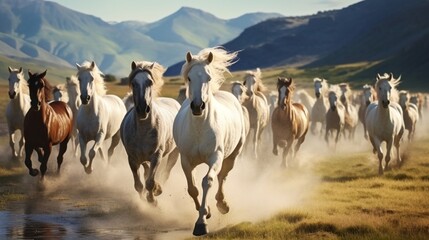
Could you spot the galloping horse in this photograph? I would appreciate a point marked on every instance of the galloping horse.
(384, 120)
(209, 127)
(410, 113)
(335, 117)
(99, 117)
(17, 108)
(74, 102)
(147, 128)
(239, 91)
(45, 125)
(368, 96)
(257, 106)
(321, 106)
(289, 121)
(351, 118)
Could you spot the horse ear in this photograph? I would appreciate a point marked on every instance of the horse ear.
(20, 69)
(399, 78)
(279, 79)
(133, 65)
(188, 57)
(390, 76)
(30, 74)
(290, 80)
(210, 58)
(92, 65)
(43, 74)
(10, 69)
(78, 66)
(151, 66)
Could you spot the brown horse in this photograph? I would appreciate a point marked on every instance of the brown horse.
(45, 124)
(289, 121)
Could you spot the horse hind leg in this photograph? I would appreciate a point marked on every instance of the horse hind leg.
(63, 149)
(44, 165)
(115, 141)
(21, 145)
(28, 151)
(286, 149)
(171, 161)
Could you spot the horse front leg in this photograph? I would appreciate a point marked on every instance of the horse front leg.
(227, 165)
(397, 142)
(28, 151)
(12, 143)
(388, 152)
(215, 163)
(82, 144)
(377, 146)
(135, 166)
(286, 149)
(255, 141)
(192, 189)
(152, 186)
(21, 145)
(97, 146)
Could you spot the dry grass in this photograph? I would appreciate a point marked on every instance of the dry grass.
(353, 202)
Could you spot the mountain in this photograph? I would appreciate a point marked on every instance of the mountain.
(392, 32)
(49, 32)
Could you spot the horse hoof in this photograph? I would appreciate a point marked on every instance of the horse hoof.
(200, 229)
(209, 213)
(223, 207)
(88, 170)
(34, 172)
(157, 191)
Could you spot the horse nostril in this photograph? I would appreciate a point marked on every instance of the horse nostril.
(203, 106)
(87, 98)
(388, 102)
(147, 109)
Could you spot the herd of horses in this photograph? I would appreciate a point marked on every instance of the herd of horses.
(204, 125)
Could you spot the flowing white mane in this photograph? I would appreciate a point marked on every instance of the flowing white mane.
(99, 84)
(392, 82)
(217, 68)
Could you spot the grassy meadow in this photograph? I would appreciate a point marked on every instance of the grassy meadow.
(349, 202)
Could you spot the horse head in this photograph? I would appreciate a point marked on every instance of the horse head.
(285, 88)
(384, 86)
(239, 91)
(145, 85)
(90, 81)
(15, 76)
(199, 84)
(253, 82)
(333, 95)
(345, 92)
(404, 97)
(37, 85)
(368, 94)
(319, 85)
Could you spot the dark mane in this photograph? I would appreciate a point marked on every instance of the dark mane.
(47, 86)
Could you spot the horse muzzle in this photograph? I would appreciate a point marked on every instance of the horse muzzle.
(197, 109)
(333, 108)
(12, 95)
(85, 99)
(35, 106)
(317, 95)
(367, 103)
(143, 112)
(385, 103)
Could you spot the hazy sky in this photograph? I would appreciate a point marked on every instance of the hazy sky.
(153, 10)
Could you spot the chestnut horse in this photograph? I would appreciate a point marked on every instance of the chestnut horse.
(45, 124)
(289, 121)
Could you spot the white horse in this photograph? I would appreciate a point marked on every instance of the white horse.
(209, 127)
(301, 96)
(384, 120)
(181, 96)
(99, 117)
(147, 129)
(128, 101)
(239, 91)
(367, 97)
(257, 106)
(335, 116)
(60, 93)
(74, 102)
(321, 106)
(351, 118)
(410, 113)
(17, 108)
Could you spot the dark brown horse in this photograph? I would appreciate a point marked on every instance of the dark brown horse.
(289, 121)
(45, 124)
